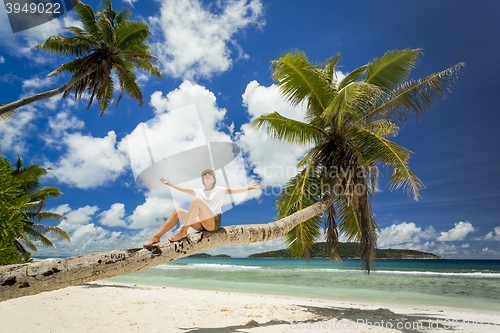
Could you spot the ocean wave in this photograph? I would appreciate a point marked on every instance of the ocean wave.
(301, 270)
(209, 267)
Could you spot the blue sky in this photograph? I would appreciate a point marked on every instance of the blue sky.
(215, 56)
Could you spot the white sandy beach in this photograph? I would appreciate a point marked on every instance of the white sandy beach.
(105, 306)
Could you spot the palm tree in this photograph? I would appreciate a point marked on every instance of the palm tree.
(32, 228)
(12, 199)
(110, 41)
(347, 124)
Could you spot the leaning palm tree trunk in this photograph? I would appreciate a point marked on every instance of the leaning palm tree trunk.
(34, 278)
(38, 97)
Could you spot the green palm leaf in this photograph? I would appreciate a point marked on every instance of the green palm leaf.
(300, 192)
(127, 81)
(131, 32)
(377, 149)
(392, 69)
(299, 81)
(352, 77)
(6, 116)
(288, 130)
(412, 99)
(381, 127)
(86, 14)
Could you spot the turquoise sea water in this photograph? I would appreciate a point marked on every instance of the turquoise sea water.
(456, 283)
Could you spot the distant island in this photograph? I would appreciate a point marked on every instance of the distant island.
(350, 251)
(206, 255)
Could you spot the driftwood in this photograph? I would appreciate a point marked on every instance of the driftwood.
(48, 275)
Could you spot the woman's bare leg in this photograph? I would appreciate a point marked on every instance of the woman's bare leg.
(199, 214)
(178, 214)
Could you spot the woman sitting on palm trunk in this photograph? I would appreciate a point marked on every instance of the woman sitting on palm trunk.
(204, 212)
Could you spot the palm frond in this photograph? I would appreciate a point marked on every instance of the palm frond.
(7, 115)
(352, 100)
(130, 32)
(299, 81)
(300, 192)
(108, 96)
(288, 130)
(76, 46)
(29, 234)
(347, 218)
(392, 69)
(381, 127)
(86, 14)
(123, 15)
(106, 30)
(376, 149)
(47, 192)
(78, 32)
(413, 98)
(352, 77)
(106, 8)
(42, 229)
(328, 70)
(128, 79)
(70, 67)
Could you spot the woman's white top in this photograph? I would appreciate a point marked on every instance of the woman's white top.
(213, 198)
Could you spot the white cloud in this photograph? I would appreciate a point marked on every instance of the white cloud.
(445, 249)
(196, 41)
(492, 235)
(87, 237)
(151, 214)
(273, 161)
(75, 218)
(188, 93)
(399, 234)
(14, 131)
(89, 161)
(457, 233)
(63, 122)
(114, 217)
(2, 60)
(36, 83)
(130, 2)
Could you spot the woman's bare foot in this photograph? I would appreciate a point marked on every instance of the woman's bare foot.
(180, 235)
(152, 240)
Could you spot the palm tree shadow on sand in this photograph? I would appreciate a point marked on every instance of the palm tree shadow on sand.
(338, 318)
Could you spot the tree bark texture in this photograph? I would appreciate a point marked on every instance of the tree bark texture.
(38, 97)
(48, 275)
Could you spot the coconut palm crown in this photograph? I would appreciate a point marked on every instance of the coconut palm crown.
(33, 229)
(347, 124)
(109, 41)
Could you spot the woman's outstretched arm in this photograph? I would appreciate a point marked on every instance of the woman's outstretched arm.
(244, 189)
(178, 187)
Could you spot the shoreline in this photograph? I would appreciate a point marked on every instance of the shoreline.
(104, 305)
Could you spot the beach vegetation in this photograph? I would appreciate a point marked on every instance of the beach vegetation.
(110, 43)
(347, 127)
(12, 201)
(32, 227)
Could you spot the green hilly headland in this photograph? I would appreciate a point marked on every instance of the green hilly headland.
(206, 255)
(348, 251)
